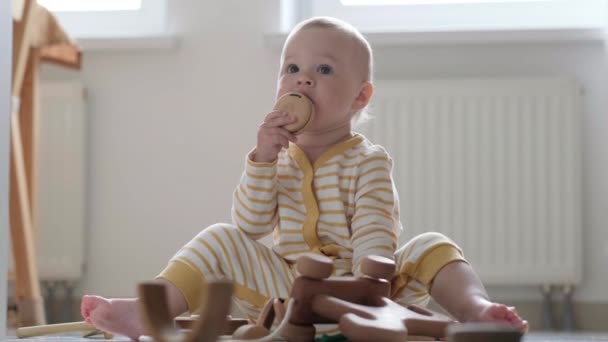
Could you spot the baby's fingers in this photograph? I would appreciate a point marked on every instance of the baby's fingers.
(281, 141)
(273, 115)
(278, 120)
(280, 131)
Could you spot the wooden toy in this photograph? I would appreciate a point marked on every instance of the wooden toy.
(62, 328)
(483, 332)
(232, 324)
(299, 106)
(211, 322)
(360, 305)
(261, 327)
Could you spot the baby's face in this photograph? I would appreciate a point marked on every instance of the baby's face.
(327, 66)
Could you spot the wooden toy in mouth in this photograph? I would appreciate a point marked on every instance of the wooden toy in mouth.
(299, 106)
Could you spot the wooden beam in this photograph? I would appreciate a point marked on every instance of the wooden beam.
(17, 9)
(27, 285)
(28, 121)
(21, 45)
(66, 55)
(29, 299)
(56, 46)
(35, 29)
(47, 30)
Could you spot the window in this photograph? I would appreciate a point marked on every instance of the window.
(418, 2)
(91, 5)
(110, 18)
(451, 15)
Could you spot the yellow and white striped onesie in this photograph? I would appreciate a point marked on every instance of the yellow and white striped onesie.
(344, 206)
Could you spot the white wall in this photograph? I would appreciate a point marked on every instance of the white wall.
(169, 131)
(168, 136)
(5, 81)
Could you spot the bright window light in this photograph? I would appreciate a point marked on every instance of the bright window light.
(90, 5)
(421, 2)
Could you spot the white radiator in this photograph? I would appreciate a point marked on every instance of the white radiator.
(60, 199)
(495, 165)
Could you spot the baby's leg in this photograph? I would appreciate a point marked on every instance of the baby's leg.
(469, 302)
(121, 315)
(224, 251)
(432, 265)
(417, 263)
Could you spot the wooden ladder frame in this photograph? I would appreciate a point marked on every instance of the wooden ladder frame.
(37, 37)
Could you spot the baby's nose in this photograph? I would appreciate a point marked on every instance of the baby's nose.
(305, 81)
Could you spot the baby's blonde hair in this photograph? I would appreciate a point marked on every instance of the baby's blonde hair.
(361, 116)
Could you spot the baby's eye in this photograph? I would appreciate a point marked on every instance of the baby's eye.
(292, 68)
(325, 69)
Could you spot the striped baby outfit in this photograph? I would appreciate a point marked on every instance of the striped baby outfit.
(344, 206)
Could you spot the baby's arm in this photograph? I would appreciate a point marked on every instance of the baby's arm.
(254, 203)
(121, 315)
(375, 224)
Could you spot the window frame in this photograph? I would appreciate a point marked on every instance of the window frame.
(537, 15)
(149, 20)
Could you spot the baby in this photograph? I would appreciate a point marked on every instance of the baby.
(328, 191)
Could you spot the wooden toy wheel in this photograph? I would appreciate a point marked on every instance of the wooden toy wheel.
(378, 267)
(315, 266)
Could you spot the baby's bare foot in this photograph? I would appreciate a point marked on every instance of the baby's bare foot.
(118, 316)
(500, 313)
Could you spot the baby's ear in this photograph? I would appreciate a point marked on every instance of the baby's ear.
(364, 96)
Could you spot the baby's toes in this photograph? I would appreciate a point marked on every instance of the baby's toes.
(88, 304)
(495, 312)
(95, 309)
(516, 319)
(505, 314)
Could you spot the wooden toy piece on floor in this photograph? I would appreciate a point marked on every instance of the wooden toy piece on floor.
(483, 332)
(383, 320)
(360, 305)
(299, 106)
(159, 323)
(232, 324)
(61, 328)
(261, 327)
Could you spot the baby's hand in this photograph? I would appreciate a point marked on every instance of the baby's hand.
(272, 137)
